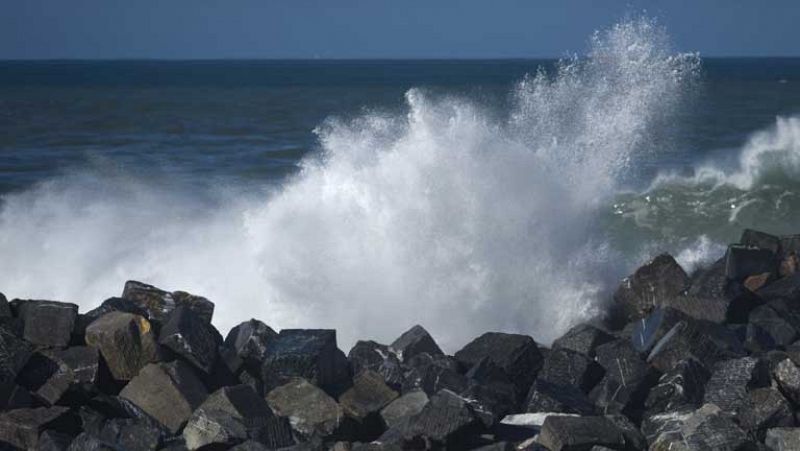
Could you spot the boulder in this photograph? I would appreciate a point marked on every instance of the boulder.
(583, 339)
(624, 387)
(564, 433)
(705, 428)
(766, 408)
(552, 397)
(716, 298)
(652, 285)
(159, 303)
(783, 439)
(742, 262)
(22, 427)
(53, 441)
(760, 240)
(307, 353)
(52, 375)
(311, 412)
(566, 367)
(5, 308)
(768, 329)
(363, 402)
(233, 415)
(368, 355)
(731, 380)
(679, 389)
(14, 352)
(516, 355)
(787, 376)
(784, 288)
(756, 282)
(13, 396)
(704, 341)
(126, 342)
(414, 341)
(48, 323)
(490, 393)
(249, 341)
(433, 373)
(190, 337)
(404, 407)
(88, 442)
(168, 392)
(108, 306)
(130, 435)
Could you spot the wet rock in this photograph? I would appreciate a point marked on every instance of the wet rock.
(704, 341)
(787, 376)
(447, 420)
(404, 407)
(766, 408)
(415, 341)
(742, 262)
(53, 441)
(680, 389)
(111, 305)
(368, 355)
(433, 373)
(576, 433)
(784, 288)
(251, 445)
(756, 282)
(646, 332)
(14, 352)
(717, 299)
(87, 442)
(54, 375)
(761, 240)
(5, 309)
(168, 392)
(546, 396)
(783, 439)
(159, 303)
(789, 264)
(22, 427)
(48, 323)
(566, 367)
(731, 380)
(232, 415)
(130, 435)
(307, 353)
(516, 355)
(624, 387)
(706, 428)
(652, 285)
(768, 329)
(192, 338)
(126, 342)
(311, 412)
(490, 393)
(249, 341)
(583, 339)
(13, 396)
(363, 402)
(633, 438)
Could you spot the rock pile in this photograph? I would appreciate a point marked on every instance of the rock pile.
(709, 360)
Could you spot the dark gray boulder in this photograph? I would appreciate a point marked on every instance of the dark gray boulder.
(761, 240)
(731, 380)
(552, 397)
(628, 378)
(53, 441)
(14, 352)
(48, 323)
(646, 332)
(765, 408)
(363, 402)
(583, 339)
(768, 329)
(57, 374)
(654, 284)
(5, 308)
(716, 298)
(159, 303)
(190, 337)
(680, 389)
(210, 428)
(566, 367)
(109, 305)
(415, 341)
(22, 427)
(702, 340)
(307, 353)
(88, 442)
(168, 392)
(249, 341)
(311, 412)
(783, 439)
(742, 262)
(130, 435)
(705, 428)
(784, 288)
(516, 355)
(126, 342)
(404, 407)
(13, 396)
(369, 355)
(787, 376)
(566, 433)
(433, 373)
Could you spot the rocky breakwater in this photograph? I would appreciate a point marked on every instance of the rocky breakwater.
(683, 362)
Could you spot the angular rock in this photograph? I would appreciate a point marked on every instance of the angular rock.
(363, 402)
(50, 375)
(783, 439)
(716, 298)
(130, 435)
(125, 340)
(731, 380)
(168, 392)
(570, 368)
(706, 428)
(646, 332)
(549, 397)
(576, 433)
(761, 240)
(311, 412)
(13, 396)
(14, 353)
(415, 341)
(489, 392)
(626, 382)
(704, 341)
(516, 355)
(249, 341)
(307, 353)
(22, 427)
(159, 303)
(771, 329)
(49, 323)
(368, 355)
(112, 305)
(5, 309)
(787, 376)
(756, 282)
(652, 285)
(680, 389)
(190, 337)
(232, 415)
(784, 288)
(742, 262)
(766, 408)
(53, 441)
(87, 442)
(633, 438)
(433, 373)
(583, 339)
(404, 407)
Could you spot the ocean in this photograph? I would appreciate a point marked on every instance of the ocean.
(369, 196)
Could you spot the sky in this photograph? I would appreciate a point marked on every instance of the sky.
(209, 29)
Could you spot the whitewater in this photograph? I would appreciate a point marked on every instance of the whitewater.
(445, 214)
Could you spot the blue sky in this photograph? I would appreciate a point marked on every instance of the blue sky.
(378, 28)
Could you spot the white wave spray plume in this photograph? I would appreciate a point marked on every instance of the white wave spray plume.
(444, 216)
